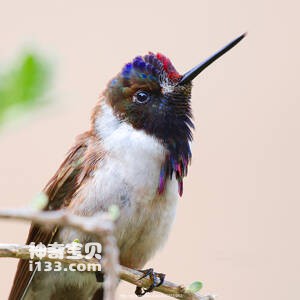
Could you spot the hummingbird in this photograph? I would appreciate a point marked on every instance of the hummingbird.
(135, 155)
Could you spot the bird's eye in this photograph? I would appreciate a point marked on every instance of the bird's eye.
(141, 97)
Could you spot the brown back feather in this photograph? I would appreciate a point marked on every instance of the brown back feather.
(59, 190)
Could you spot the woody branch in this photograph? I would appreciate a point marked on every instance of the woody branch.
(101, 225)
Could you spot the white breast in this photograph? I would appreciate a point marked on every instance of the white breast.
(133, 157)
(128, 176)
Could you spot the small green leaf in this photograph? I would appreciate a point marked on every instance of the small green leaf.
(40, 201)
(76, 241)
(194, 287)
(114, 212)
(23, 85)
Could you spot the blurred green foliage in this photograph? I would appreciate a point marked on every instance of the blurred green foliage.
(23, 84)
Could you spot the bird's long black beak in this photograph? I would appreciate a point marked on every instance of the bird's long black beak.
(190, 75)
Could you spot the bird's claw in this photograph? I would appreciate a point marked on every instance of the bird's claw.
(157, 280)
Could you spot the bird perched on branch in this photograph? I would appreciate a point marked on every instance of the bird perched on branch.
(135, 156)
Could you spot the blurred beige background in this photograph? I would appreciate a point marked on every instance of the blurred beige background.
(237, 226)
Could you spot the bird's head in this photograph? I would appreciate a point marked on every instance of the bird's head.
(152, 96)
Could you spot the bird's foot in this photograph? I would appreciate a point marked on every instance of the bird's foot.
(156, 278)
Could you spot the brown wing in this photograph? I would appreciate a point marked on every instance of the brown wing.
(59, 190)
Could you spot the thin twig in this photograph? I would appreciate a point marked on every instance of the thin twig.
(103, 227)
(99, 224)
